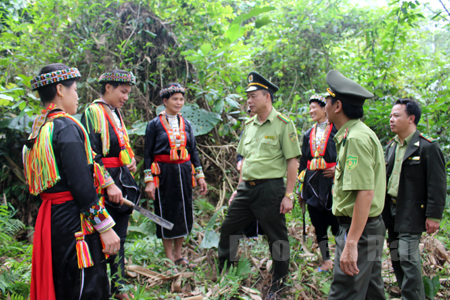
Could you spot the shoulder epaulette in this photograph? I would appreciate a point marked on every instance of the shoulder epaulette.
(390, 142)
(250, 120)
(427, 138)
(283, 118)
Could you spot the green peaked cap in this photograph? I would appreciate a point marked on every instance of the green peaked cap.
(347, 90)
(257, 82)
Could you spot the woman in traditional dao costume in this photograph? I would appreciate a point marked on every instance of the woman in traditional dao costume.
(316, 173)
(110, 142)
(68, 261)
(172, 168)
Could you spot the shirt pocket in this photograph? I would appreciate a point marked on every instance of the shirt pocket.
(268, 147)
(412, 168)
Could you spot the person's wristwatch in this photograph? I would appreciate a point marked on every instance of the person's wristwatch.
(290, 196)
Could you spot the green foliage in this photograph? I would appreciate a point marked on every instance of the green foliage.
(399, 50)
(431, 285)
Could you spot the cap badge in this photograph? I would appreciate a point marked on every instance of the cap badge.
(250, 78)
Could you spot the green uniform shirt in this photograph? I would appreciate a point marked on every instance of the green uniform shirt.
(360, 166)
(267, 146)
(400, 151)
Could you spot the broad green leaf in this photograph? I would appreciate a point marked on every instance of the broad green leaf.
(261, 22)
(193, 57)
(138, 128)
(205, 48)
(202, 121)
(234, 32)
(254, 12)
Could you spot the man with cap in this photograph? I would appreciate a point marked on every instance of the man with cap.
(270, 149)
(358, 194)
(415, 194)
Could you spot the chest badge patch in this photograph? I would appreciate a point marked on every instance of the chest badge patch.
(293, 136)
(351, 162)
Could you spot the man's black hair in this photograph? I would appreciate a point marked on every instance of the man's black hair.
(412, 108)
(351, 111)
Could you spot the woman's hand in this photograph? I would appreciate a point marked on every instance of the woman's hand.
(329, 173)
(114, 194)
(150, 189)
(111, 241)
(203, 187)
(132, 166)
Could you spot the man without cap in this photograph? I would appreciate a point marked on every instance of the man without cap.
(358, 194)
(415, 195)
(270, 148)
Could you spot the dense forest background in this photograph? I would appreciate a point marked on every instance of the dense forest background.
(400, 49)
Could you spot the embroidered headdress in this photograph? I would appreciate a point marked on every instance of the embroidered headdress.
(318, 98)
(172, 89)
(54, 77)
(118, 76)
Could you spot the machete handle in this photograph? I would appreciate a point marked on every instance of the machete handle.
(128, 202)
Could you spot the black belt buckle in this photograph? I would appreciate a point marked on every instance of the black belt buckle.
(252, 183)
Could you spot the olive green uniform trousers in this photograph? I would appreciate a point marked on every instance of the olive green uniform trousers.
(262, 202)
(368, 284)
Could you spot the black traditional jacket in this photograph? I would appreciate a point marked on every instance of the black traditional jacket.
(317, 188)
(157, 142)
(120, 175)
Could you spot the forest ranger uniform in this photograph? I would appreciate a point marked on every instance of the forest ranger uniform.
(67, 262)
(266, 148)
(360, 166)
(109, 140)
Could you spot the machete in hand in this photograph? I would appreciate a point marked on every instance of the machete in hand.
(158, 220)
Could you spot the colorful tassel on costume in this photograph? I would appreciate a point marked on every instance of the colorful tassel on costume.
(318, 162)
(41, 171)
(299, 183)
(86, 226)
(155, 171)
(83, 254)
(183, 153)
(39, 162)
(194, 181)
(174, 154)
(99, 178)
(124, 156)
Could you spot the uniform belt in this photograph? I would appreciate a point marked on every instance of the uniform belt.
(259, 181)
(348, 220)
(394, 200)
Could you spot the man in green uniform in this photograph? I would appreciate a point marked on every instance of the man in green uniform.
(358, 194)
(415, 198)
(270, 149)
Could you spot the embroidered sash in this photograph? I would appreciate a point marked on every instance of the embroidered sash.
(318, 151)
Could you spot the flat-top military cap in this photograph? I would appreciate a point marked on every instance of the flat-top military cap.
(346, 90)
(257, 82)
